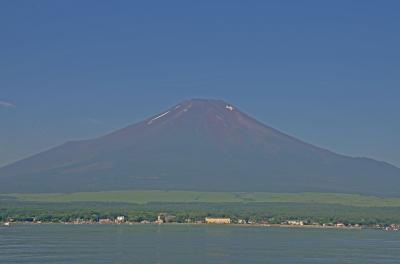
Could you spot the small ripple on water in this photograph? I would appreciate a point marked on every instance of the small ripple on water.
(197, 244)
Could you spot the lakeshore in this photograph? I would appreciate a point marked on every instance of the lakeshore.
(256, 225)
(301, 210)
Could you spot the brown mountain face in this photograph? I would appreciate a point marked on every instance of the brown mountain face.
(206, 145)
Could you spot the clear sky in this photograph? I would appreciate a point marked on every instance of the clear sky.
(327, 72)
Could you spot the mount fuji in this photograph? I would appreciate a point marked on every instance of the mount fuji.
(203, 145)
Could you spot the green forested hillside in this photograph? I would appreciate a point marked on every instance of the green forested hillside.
(142, 197)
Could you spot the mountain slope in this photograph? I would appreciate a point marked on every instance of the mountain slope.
(204, 145)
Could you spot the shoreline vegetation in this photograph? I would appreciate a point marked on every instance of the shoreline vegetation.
(292, 210)
(195, 224)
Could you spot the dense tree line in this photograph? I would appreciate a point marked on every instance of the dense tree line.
(256, 212)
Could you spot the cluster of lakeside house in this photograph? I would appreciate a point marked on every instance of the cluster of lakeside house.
(161, 219)
(168, 218)
(304, 223)
(392, 227)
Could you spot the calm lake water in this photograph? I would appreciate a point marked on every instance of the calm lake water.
(194, 244)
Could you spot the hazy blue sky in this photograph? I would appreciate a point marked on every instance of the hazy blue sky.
(327, 72)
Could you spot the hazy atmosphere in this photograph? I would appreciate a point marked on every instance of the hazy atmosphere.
(215, 131)
(325, 73)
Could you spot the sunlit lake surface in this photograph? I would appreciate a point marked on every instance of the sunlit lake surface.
(193, 244)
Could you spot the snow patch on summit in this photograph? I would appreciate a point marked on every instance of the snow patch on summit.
(187, 107)
(154, 119)
(229, 107)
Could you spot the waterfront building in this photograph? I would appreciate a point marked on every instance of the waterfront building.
(212, 220)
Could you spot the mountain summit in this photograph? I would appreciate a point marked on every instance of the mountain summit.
(205, 145)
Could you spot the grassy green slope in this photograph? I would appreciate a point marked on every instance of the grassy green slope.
(143, 197)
